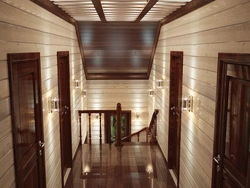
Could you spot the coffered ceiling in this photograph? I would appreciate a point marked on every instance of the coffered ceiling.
(118, 38)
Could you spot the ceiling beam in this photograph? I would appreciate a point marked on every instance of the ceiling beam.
(98, 6)
(147, 8)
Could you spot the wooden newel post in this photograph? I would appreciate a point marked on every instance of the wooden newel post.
(89, 127)
(118, 125)
(79, 114)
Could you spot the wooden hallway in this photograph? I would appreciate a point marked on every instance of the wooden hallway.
(136, 165)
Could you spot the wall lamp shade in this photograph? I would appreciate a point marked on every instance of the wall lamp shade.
(160, 83)
(84, 93)
(188, 104)
(151, 93)
(137, 115)
(53, 104)
(96, 115)
(77, 84)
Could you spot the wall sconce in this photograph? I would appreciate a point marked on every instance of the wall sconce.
(77, 84)
(84, 93)
(137, 115)
(53, 104)
(188, 104)
(160, 83)
(96, 115)
(151, 93)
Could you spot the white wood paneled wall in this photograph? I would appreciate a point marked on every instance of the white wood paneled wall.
(26, 27)
(132, 94)
(221, 26)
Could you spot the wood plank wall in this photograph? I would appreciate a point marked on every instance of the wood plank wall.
(221, 26)
(132, 94)
(25, 27)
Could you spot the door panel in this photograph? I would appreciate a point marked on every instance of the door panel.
(65, 112)
(27, 126)
(237, 132)
(175, 96)
(232, 123)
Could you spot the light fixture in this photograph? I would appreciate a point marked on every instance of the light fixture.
(160, 83)
(53, 104)
(185, 104)
(96, 115)
(188, 104)
(137, 115)
(151, 93)
(84, 93)
(77, 84)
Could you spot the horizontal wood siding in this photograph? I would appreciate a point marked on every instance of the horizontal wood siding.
(26, 27)
(132, 94)
(221, 26)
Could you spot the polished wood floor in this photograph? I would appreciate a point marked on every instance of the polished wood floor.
(130, 166)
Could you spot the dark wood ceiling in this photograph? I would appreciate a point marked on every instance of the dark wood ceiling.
(117, 50)
(118, 38)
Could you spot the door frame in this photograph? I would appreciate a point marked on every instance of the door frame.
(223, 60)
(65, 159)
(175, 109)
(24, 57)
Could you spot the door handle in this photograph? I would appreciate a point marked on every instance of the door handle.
(41, 144)
(217, 159)
(66, 107)
(172, 108)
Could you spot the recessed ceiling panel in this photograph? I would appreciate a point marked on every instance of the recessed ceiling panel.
(118, 35)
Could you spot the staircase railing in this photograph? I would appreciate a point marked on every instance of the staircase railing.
(136, 133)
(151, 130)
(118, 112)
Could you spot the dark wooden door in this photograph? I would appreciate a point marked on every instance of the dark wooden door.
(175, 96)
(231, 168)
(64, 111)
(27, 126)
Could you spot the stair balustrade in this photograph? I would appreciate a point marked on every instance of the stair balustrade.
(151, 130)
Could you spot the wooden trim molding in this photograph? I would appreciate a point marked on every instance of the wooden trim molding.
(157, 35)
(49, 6)
(189, 7)
(117, 76)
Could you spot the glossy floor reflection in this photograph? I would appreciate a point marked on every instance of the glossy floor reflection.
(130, 166)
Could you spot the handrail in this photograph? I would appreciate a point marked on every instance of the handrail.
(154, 116)
(150, 130)
(136, 133)
(153, 127)
(118, 112)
